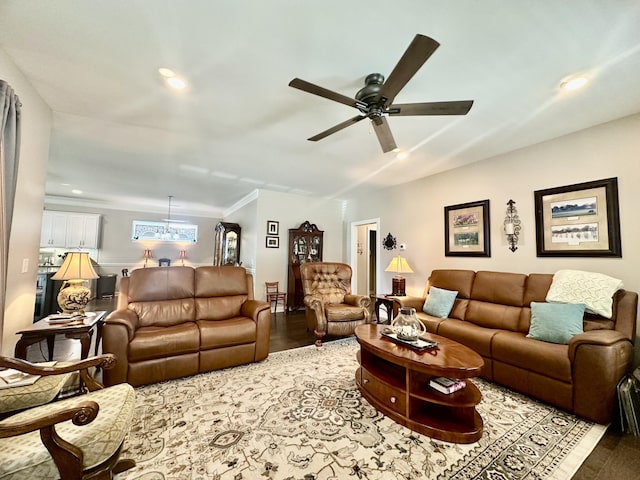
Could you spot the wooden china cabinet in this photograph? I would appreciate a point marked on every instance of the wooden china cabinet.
(227, 244)
(305, 245)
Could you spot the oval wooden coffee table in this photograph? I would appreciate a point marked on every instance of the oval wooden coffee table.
(395, 378)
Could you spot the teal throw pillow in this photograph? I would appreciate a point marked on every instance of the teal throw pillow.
(555, 322)
(439, 302)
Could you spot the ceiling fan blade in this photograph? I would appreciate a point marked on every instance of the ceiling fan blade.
(336, 128)
(420, 49)
(323, 92)
(431, 108)
(385, 137)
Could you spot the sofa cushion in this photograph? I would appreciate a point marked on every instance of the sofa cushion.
(343, 312)
(219, 308)
(458, 280)
(439, 302)
(151, 284)
(547, 359)
(221, 282)
(158, 342)
(233, 331)
(164, 313)
(595, 290)
(494, 315)
(499, 287)
(555, 322)
(477, 338)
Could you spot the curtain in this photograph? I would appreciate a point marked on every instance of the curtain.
(9, 154)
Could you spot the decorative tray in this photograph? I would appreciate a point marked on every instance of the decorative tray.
(420, 344)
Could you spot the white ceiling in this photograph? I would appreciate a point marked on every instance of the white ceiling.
(129, 142)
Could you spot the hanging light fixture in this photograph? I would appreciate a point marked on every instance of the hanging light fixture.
(169, 232)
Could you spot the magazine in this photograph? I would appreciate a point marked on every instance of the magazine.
(10, 377)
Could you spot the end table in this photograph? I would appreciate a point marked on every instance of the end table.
(385, 301)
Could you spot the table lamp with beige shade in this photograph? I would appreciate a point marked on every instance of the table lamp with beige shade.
(75, 269)
(399, 265)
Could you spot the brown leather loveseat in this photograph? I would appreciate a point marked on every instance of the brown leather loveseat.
(492, 313)
(177, 321)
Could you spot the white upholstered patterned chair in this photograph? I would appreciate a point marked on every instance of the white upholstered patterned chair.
(78, 437)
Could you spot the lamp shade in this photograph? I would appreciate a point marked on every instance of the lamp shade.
(399, 265)
(76, 266)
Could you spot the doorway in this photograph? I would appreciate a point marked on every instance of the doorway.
(364, 256)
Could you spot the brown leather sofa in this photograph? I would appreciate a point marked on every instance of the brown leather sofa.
(491, 315)
(177, 321)
(331, 308)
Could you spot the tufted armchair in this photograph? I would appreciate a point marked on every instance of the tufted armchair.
(330, 306)
(77, 438)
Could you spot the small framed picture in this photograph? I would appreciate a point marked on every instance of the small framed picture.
(272, 227)
(273, 242)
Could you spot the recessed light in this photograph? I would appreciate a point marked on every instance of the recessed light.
(176, 83)
(402, 155)
(166, 72)
(76, 191)
(574, 83)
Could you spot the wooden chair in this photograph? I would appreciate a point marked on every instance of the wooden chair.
(273, 295)
(77, 438)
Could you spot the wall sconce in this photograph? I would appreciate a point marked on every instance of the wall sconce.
(182, 256)
(512, 225)
(146, 256)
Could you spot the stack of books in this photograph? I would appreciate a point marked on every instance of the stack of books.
(447, 385)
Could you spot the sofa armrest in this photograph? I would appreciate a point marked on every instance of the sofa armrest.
(252, 308)
(358, 300)
(599, 359)
(408, 302)
(118, 331)
(127, 318)
(603, 338)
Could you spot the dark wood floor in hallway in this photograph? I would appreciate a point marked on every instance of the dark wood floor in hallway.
(617, 456)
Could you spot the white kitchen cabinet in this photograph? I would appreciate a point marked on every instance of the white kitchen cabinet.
(54, 229)
(70, 230)
(82, 230)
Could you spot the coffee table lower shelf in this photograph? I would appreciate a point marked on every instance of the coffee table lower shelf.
(450, 418)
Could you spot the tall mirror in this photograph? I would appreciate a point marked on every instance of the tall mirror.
(227, 244)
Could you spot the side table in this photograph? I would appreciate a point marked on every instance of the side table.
(385, 301)
(43, 330)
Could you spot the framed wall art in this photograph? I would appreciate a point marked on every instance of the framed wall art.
(466, 230)
(273, 242)
(273, 227)
(580, 220)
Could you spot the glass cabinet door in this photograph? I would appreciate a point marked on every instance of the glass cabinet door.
(227, 244)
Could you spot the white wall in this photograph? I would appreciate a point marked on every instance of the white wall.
(414, 212)
(270, 264)
(27, 214)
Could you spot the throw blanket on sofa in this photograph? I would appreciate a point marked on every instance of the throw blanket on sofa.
(594, 290)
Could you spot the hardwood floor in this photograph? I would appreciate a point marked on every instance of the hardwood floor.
(617, 456)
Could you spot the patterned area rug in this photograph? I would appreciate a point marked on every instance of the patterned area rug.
(298, 415)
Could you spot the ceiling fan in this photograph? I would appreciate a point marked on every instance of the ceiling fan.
(375, 99)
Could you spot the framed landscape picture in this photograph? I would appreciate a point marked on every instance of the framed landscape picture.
(580, 220)
(466, 230)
